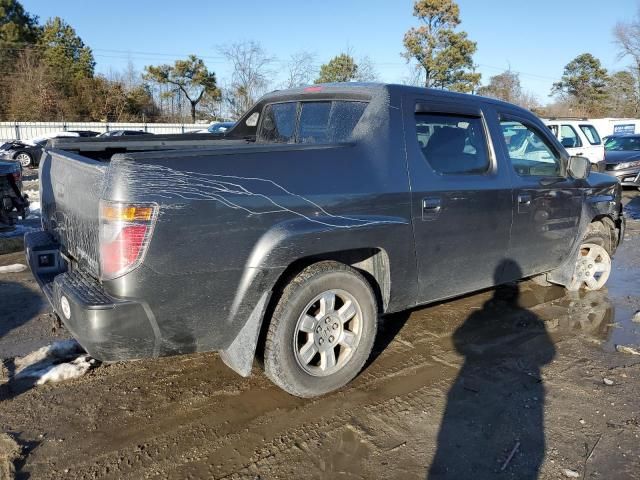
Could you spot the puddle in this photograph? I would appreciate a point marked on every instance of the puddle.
(605, 315)
(622, 291)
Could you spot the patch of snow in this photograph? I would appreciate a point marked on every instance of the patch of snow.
(33, 193)
(66, 371)
(15, 268)
(570, 473)
(34, 209)
(626, 349)
(57, 362)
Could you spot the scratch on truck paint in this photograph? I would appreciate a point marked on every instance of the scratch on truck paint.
(167, 183)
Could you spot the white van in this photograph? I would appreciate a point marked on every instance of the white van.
(580, 138)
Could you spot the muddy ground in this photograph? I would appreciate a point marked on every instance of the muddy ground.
(507, 383)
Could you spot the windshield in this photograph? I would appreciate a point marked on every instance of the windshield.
(622, 144)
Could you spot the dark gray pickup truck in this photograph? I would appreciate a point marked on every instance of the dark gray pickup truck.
(322, 209)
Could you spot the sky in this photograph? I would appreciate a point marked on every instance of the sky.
(534, 38)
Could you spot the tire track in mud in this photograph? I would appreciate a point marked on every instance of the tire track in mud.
(208, 431)
(314, 421)
(215, 434)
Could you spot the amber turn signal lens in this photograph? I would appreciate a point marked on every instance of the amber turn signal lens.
(126, 213)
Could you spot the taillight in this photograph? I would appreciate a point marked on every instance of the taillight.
(125, 232)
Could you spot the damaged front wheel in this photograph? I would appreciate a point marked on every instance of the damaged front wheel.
(593, 267)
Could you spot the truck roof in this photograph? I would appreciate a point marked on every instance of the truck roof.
(373, 89)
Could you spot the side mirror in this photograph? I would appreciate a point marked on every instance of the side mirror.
(579, 167)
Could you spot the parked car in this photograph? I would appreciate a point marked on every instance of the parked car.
(13, 203)
(217, 128)
(123, 133)
(580, 138)
(220, 127)
(321, 209)
(85, 133)
(622, 155)
(28, 152)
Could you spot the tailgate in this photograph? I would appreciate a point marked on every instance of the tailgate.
(70, 191)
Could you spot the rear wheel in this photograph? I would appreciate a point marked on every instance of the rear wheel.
(24, 158)
(593, 265)
(322, 330)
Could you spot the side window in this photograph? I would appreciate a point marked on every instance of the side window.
(453, 144)
(554, 130)
(591, 133)
(569, 137)
(529, 153)
(279, 123)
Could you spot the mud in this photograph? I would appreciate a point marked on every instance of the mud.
(506, 383)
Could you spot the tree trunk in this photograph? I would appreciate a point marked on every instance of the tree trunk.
(193, 111)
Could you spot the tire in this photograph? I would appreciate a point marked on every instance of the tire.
(596, 246)
(305, 329)
(25, 159)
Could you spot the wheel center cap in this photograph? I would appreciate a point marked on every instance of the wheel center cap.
(328, 331)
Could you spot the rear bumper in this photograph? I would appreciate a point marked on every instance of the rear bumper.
(108, 328)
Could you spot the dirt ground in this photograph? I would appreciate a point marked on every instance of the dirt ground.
(504, 384)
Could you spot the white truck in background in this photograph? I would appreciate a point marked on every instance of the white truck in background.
(616, 126)
(580, 138)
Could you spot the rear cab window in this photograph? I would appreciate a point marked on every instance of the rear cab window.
(310, 122)
(591, 133)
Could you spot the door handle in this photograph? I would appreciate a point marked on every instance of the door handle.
(431, 207)
(579, 154)
(524, 199)
(524, 202)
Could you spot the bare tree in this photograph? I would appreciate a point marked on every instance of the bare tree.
(627, 37)
(250, 77)
(300, 69)
(414, 76)
(366, 70)
(32, 94)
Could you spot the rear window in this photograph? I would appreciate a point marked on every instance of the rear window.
(453, 144)
(591, 133)
(317, 122)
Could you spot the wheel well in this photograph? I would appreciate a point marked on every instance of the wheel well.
(372, 263)
(605, 225)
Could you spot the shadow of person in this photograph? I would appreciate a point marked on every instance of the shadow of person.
(496, 404)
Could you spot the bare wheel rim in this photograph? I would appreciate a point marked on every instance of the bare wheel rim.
(328, 333)
(592, 268)
(24, 159)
